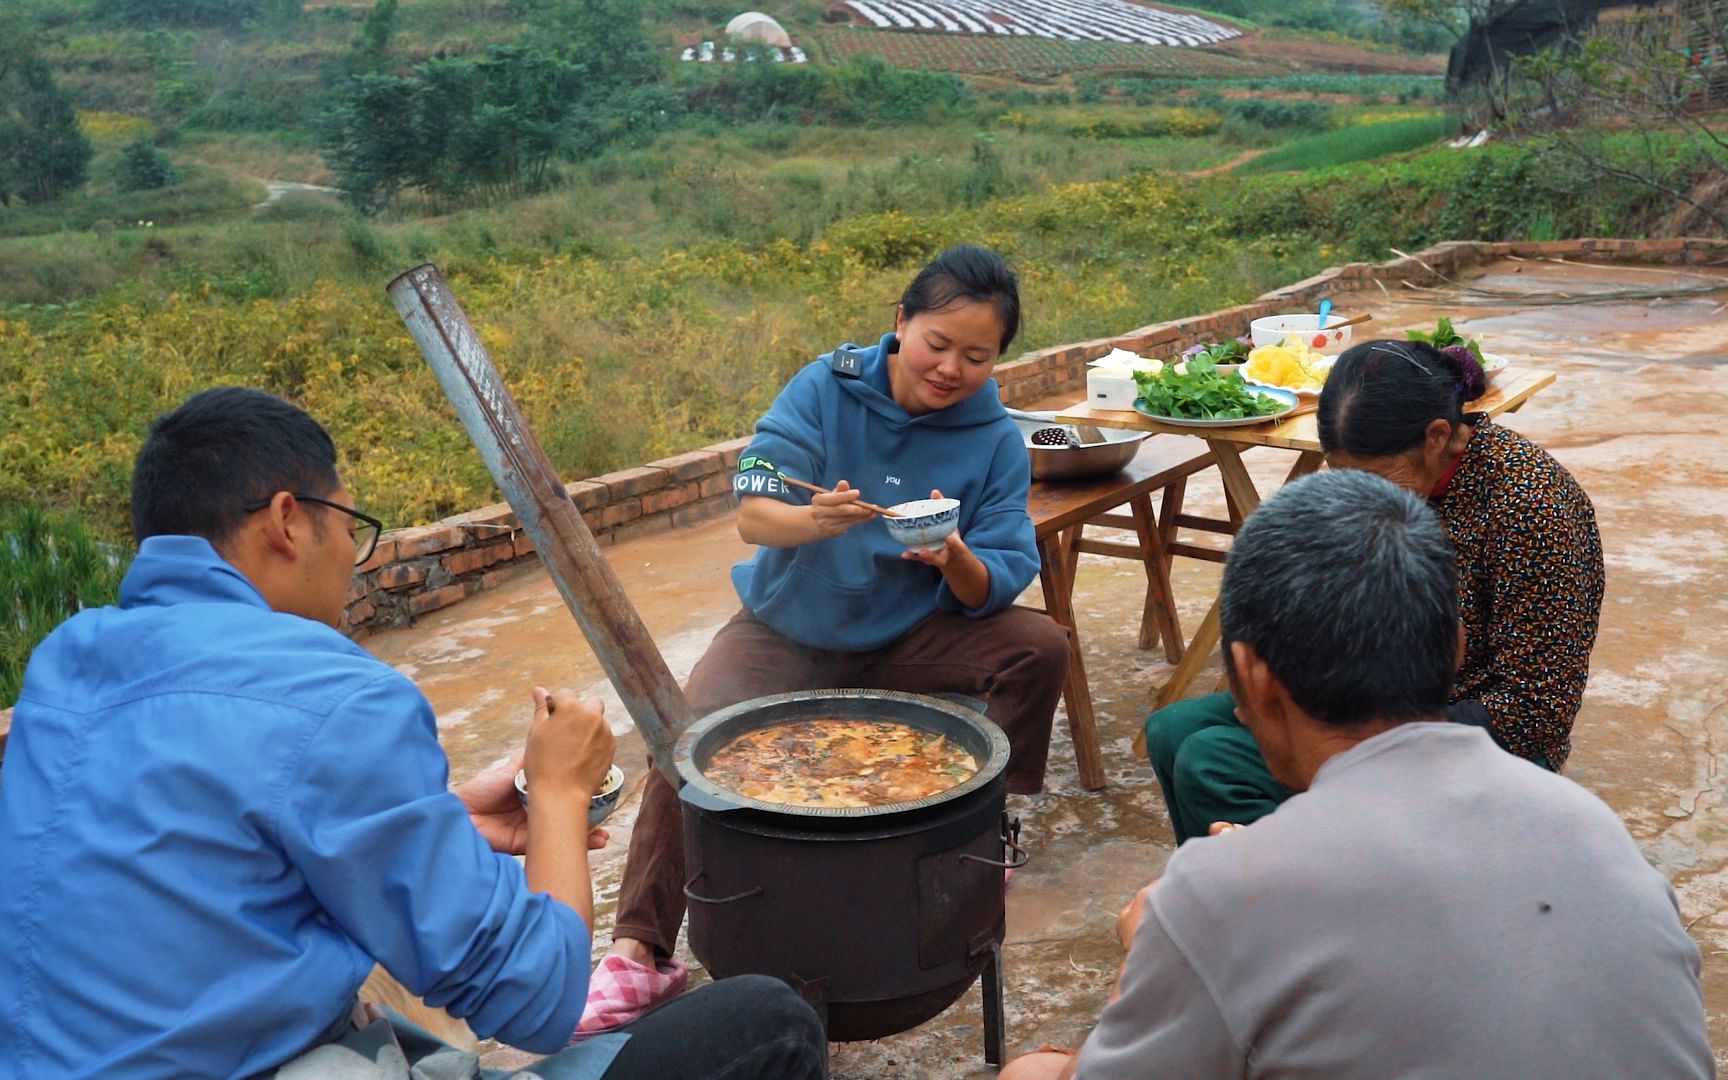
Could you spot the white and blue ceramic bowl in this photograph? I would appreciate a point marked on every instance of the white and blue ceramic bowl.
(924, 524)
(600, 807)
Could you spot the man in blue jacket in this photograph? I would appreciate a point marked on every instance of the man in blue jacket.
(217, 813)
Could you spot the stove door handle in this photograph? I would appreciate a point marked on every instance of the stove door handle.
(1012, 842)
(746, 894)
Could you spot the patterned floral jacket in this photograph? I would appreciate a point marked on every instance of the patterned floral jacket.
(1530, 583)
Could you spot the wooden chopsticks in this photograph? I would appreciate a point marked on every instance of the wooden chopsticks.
(816, 489)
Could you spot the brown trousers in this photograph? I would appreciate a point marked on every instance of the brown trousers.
(1015, 660)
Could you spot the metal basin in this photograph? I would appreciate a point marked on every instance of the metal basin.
(1079, 462)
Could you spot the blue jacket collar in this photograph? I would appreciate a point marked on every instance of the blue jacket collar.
(184, 570)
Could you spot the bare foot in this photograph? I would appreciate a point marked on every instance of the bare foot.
(630, 949)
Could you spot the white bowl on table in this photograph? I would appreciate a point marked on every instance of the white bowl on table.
(1273, 329)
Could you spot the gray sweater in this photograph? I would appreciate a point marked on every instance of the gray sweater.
(1431, 907)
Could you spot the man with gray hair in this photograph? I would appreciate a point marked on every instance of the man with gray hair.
(1426, 904)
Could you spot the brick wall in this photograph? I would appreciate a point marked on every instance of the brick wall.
(433, 566)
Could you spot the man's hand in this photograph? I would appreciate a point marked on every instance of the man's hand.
(569, 746)
(498, 813)
(495, 808)
(838, 511)
(1129, 919)
(1219, 828)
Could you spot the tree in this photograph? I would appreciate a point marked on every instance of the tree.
(1637, 100)
(494, 126)
(372, 50)
(143, 168)
(43, 154)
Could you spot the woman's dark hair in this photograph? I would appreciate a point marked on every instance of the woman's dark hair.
(970, 273)
(1381, 396)
(219, 450)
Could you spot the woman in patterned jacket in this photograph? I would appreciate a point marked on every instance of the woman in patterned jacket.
(1530, 576)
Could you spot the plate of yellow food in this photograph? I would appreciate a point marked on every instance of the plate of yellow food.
(1289, 365)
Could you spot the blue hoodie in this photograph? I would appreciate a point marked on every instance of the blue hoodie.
(837, 420)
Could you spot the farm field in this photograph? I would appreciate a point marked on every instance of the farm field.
(1069, 20)
(971, 54)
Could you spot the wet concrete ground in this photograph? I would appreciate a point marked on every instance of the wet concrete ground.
(1637, 415)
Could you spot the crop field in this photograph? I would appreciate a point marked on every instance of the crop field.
(975, 54)
(1068, 20)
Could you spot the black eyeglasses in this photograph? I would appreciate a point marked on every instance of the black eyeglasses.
(365, 534)
(1403, 353)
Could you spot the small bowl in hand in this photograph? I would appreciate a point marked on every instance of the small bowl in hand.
(925, 524)
(600, 807)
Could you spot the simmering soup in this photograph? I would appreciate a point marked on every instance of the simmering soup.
(835, 762)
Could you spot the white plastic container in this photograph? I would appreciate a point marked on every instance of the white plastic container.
(1110, 379)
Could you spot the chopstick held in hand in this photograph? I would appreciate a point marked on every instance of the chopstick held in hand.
(816, 489)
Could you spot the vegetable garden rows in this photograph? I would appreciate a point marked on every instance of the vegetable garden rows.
(1068, 20)
(974, 54)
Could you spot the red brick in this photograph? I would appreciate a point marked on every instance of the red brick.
(641, 527)
(691, 466)
(619, 512)
(659, 502)
(587, 494)
(628, 482)
(358, 588)
(437, 598)
(524, 545)
(718, 484)
(464, 562)
(730, 451)
(384, 553)
(400, 576)
(702, 510)
(491, 579)
(490, 519)
(359, 613)
(429, 540)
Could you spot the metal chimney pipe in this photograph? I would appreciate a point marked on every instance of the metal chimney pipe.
(513, 455)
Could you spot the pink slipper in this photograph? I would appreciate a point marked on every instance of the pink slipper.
(621, 990)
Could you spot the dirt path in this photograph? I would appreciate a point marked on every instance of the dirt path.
(1239, 160)
(276, 190)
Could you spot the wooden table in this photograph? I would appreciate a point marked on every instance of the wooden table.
(1060, 511)
(1507, 393)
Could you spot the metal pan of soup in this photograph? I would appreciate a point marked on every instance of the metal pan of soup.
(839, 753)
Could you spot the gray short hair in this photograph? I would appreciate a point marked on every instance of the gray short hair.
(1347, 587)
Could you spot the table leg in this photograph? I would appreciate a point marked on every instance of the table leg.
(1245, 497)
(1158, 619)
(1076, 693)
(1167, 514)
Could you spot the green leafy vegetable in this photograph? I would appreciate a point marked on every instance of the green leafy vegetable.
(1200, 393)
(1443, 336)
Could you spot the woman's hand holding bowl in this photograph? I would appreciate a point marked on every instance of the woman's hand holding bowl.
(838, 510)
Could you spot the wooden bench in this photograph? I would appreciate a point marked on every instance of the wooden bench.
(1061, 510)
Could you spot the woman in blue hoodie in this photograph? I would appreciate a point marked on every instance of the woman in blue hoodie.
(831, 600)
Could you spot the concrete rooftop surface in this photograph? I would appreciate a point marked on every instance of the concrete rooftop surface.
(1637, 415)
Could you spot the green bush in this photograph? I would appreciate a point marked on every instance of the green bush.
(50, 569)
(861, 90)
(143, 168)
